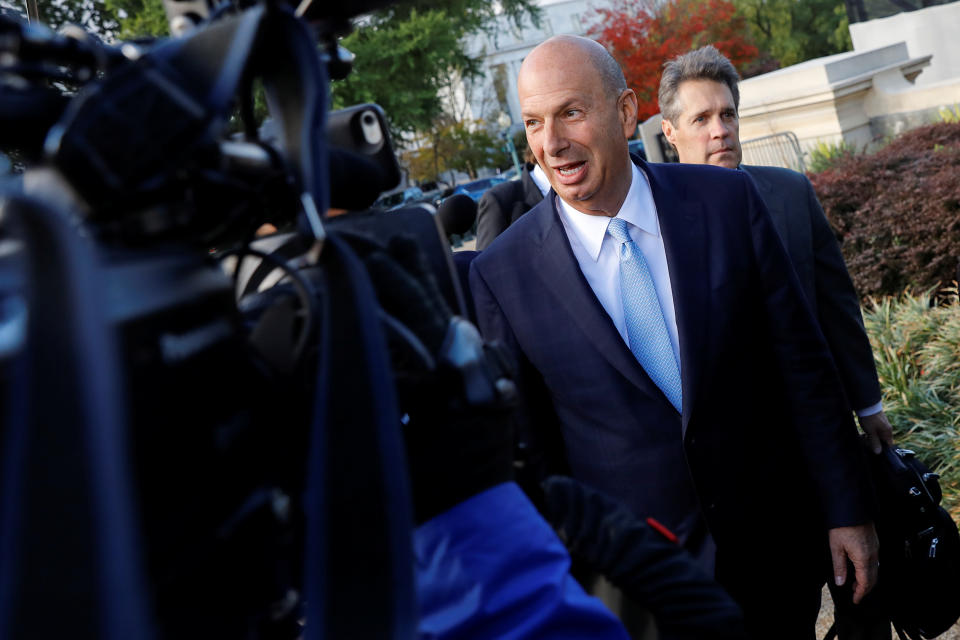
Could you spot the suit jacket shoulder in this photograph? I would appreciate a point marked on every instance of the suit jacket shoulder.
(513, 242)
(502, 205)
(773, 177)
(816, 257)
(793, 207)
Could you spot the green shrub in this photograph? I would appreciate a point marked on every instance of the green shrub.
(826, 154)
(950, 114)
(916, 347)
(896, 212)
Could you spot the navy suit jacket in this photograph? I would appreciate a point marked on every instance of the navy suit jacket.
(764, 449)
(501, 205)
(815, 254)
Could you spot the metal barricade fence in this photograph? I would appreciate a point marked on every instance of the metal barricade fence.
(777, 150)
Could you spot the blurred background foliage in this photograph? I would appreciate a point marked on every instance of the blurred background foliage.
(916, 347)
(896, 211)
(109, 19)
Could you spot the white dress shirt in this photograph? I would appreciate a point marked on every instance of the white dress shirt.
(599, 253)
(540, 179)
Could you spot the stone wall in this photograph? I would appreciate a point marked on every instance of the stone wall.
(930, 31)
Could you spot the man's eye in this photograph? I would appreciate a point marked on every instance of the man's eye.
(573, 112)
(530, 123)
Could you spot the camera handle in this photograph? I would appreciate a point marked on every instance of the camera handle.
(187, 87)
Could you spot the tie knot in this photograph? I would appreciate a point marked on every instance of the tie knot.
(618, 229)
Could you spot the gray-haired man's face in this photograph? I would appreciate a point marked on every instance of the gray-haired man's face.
(707, 131)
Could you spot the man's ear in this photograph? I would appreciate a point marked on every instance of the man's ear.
(627, 110)
(669, 132)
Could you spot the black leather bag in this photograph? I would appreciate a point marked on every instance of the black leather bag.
(919, 546)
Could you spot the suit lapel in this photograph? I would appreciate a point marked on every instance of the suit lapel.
(558, 269)
(685, 242)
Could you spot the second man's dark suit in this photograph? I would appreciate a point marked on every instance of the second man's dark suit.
(764, 450)
(501, 205)
(816, 257)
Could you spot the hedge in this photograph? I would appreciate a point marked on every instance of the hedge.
(916, 347)
(897, 211)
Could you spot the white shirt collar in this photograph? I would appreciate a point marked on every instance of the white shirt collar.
(540, 179)
(638, 209)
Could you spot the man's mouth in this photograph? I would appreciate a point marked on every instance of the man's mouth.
(570, 170)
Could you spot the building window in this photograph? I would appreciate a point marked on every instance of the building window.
(575, 23)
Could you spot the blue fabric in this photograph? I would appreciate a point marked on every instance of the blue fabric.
(646, 328)
(492, 568)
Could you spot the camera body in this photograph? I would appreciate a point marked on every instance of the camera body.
(253, 442)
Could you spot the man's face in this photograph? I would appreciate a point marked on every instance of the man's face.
(708, 128)
(576, 128)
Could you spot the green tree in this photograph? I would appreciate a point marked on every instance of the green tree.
(93, 15)
(797, 30)
(408, 54)
(453, 145)
(11, 8)
(108, 19)
(139, 18)
(401, 65)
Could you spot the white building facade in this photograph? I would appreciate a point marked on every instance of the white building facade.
(502, 51)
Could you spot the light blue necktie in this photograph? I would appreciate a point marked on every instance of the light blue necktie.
(646, 328)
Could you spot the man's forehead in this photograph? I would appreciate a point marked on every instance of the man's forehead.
(556, 83)
(553, 98)
(704, 94)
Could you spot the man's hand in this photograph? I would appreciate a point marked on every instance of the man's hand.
(859, 544)
(878, 429)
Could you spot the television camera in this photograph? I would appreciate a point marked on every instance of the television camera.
(200, 426)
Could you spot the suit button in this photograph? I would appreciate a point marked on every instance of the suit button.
(692, 440)
(712, 506)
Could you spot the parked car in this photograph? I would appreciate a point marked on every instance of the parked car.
(476, 188)
(432, 190)
(510, 174)
(636, 147)
(399, 199)
(446, 193)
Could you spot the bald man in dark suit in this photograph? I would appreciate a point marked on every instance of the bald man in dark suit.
(666, 353)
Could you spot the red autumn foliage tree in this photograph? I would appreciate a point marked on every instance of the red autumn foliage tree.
(641, 37)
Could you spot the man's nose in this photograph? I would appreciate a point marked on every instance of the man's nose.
(719, 128)
(554, 138)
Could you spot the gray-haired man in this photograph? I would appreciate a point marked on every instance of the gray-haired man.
(699, 101)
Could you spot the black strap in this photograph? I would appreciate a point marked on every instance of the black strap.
(70, 557)
(359, 563)
(904, 635)
(832, 632)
